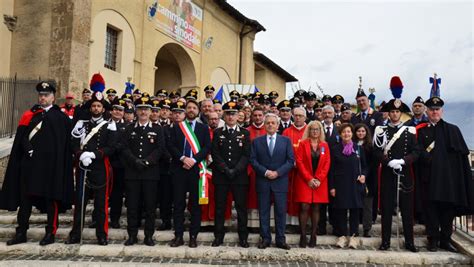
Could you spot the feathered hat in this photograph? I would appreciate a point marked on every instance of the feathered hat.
(97, 83)
(396, 86)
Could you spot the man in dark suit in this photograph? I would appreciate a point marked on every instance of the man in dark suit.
(367, 115)
(185, 171)
(310, 101)
(272, 159)
(230, 154)
(332, 138)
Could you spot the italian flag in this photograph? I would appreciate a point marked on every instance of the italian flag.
(205, 174)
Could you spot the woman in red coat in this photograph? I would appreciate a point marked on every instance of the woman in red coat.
(311, 184)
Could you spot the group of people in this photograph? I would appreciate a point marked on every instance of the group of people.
(312, 160)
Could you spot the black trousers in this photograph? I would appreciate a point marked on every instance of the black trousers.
(96, 188)
(141, 193)
(165, 189)
(327, 213)
(186, 181)
(388, 199)
(24, 213)
(239, 193)
(341, 221)
(117, 194)
(439, 223)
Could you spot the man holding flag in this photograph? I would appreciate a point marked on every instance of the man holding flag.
(189, 145)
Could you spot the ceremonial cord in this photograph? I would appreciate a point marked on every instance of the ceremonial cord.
(403, 188)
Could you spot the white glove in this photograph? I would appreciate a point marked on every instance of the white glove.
(391, 163)
(395, 162)
(86, 161)
(397, 167)
(89, 155)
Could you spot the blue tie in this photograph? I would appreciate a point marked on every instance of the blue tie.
(272, 145)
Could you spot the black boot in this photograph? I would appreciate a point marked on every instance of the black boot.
(432, 245)
(18, 239)
(384, 246)
(102, 241)
(73, 239)
(115, 224)
(447, 246)
(47, 239)
(217, 242)
(176, 242)
(132, 239)
(411, 247)
(149, 241)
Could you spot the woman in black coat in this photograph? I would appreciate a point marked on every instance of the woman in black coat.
(363, 139)
(346, 184)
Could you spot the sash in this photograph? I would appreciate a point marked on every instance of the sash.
(394, 139)
(205, 174)
(92, 133)
(35, 130)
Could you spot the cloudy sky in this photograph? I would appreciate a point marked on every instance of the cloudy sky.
(334, 42)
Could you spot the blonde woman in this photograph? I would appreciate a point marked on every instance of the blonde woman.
(312, 162)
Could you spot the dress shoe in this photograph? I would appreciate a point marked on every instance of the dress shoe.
(447, 246)
(303, 241)
(93, 224)
(72, 240)
(149, 241)
(18, 239)
(102, 241)
(384, 246)
(263, 244)
(115, 224)
(244, 243)
(432, 245)
(367, 233)
(411, 247)
(193, 242)
(47, 239)
(283, 245)
(217, 242)
(312, 241)
(354, 242)
(131, 241)
(341, 241)
(176, 242)
(164, 226)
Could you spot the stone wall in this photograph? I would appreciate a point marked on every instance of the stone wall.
(3, 167)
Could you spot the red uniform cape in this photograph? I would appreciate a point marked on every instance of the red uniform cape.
(252, 196)
(208, 211)
(295, 136)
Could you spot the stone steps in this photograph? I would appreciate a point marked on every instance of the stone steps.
(320, 254)
(120, 235)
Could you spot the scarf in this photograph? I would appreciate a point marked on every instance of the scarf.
(348, 149)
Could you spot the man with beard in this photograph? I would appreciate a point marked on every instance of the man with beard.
(256, 129)
(294, 133)
(396, 149)
(346, 115)
(93, 142)
(39, 170)
(209, 92)
(188, 145)
(446, 178)
(142, 148)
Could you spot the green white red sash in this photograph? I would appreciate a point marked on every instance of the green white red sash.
(205, 174)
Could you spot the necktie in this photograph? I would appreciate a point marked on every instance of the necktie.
(231, 131)
(272, 145)
(285, 125)
(328, 132)
(364, 116)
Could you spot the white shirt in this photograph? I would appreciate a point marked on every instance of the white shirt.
(330, 128)
(227, 127)
(274, 139)
(47, 108)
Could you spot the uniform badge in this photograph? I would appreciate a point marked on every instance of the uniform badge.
(372, 122)
(322, 151)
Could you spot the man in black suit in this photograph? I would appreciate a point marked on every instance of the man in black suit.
(332, 138)
(284, 108)
(184, 167)
(143, 144)
(310, 101)
(230, 154)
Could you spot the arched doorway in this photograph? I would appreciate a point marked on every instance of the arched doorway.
(219, 77)
(174, 69)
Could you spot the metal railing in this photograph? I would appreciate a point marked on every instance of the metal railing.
(16, 96)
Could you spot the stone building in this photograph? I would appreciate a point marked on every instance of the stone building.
(158, 44)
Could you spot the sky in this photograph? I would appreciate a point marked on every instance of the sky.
(332, 43)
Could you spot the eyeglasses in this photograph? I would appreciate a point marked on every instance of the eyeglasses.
(314, 129)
